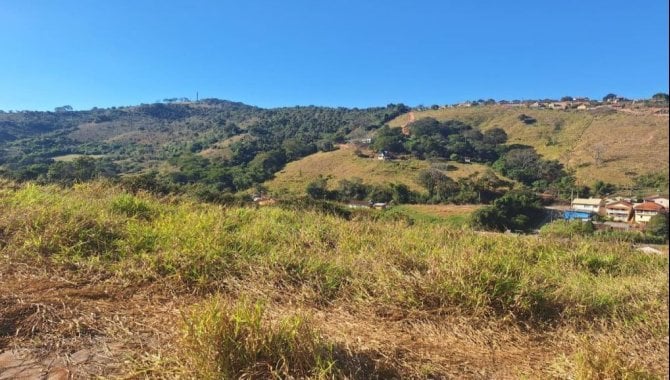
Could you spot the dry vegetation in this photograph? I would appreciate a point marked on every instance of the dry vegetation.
(343, 163)
(630, 143)
(103, 283)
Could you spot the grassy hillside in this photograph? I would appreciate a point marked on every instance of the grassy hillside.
(454, 215)
(110, 284)
(630, 144)
(343, 163)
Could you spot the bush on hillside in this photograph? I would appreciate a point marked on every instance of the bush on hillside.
(658, 226)
(515, 211)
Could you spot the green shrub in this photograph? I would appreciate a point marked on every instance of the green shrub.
(131, 206)
(566, 229)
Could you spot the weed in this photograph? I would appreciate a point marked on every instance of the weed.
(237, 340)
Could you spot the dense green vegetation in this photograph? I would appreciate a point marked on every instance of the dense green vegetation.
(266, 140)
(452, 140)
(166, 148)
(477, 188)
(515, 211)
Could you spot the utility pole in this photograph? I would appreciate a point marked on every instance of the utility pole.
(196, 96)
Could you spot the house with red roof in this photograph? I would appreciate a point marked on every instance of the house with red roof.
(647, 210)
(659, 199)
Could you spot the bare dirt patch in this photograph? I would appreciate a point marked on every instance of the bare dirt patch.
(51, 325)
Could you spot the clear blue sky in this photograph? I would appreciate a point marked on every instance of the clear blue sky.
(270, 53)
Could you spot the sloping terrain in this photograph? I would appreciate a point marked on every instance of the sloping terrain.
(100, 283)
(627, 144)
(343, 163)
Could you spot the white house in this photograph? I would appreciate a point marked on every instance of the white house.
(647, 210)
(383, 155)
(620, 211)
(588, 204)
(359, 204)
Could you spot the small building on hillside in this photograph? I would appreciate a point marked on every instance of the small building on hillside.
(619, 211)
(380, 205)
(359, 204)
(383, 155)
(647, 210)
(578, 215)
(264, 200)
(658, 199)
(588, 204)
(558, 106)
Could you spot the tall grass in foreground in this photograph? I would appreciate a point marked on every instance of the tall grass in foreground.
(368, 265)
(321, 259)
(224, 340)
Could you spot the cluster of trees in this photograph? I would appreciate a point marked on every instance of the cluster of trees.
(66, 172)
(356, 189)
(525, 165)
(518, 210)
(280, 136)
(451, 140)
(472, 189)
(439, 189)
(177, 132)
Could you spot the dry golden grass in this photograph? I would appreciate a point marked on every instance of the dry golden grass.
(222, 148)
(72, 157)
(344, 164)
(630, 143)
(125, 278)
(444, 211)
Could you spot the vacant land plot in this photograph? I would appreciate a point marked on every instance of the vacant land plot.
(99, 282)
(345, 164)
(627, 144)
(72, 157)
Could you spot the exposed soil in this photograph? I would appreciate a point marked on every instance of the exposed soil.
(58, 328)
(66, 327)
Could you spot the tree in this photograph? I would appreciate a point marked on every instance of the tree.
(63, 109)
(439, 186)
(660, 97)
(352, 189)
(517, 210)
(527, 119)
(597, 152)
(495, 136)
(318, 189)
(658, 226)
(609, 97)
(567, 99)
(389, 139)
(603, 188)
(401, 193)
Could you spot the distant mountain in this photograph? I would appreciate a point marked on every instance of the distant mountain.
(167, 137)
(231, 146)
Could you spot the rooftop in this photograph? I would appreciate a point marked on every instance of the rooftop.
(588, 201)
(649, 206)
